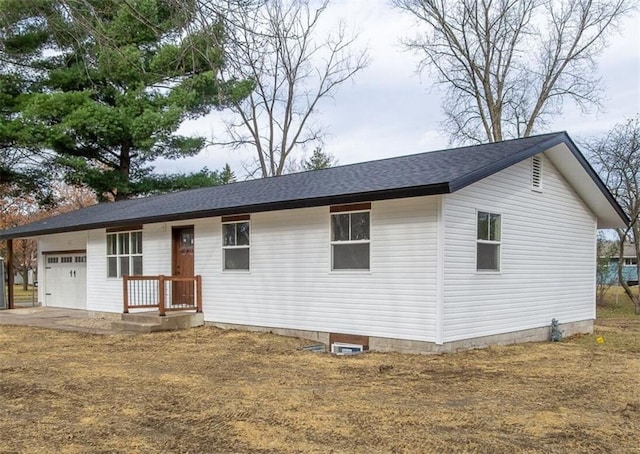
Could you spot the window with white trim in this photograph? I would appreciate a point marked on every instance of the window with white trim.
(536, 173)
(236, 244)
(630, 261)
(488, 241)
(124, 254)
(350, 238)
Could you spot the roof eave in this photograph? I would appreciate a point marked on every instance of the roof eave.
(558, 139)
(597, 180)
(400, 193)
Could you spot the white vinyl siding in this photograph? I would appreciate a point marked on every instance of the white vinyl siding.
(158, 247)
(290, 284)
(547, 249)
(106, 293)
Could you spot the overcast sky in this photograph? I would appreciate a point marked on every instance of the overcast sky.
(389, 110)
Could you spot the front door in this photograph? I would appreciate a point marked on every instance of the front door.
(183, 245)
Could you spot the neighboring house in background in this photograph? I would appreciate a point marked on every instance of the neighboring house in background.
(629, 266)
(19, 278)
(424, 253)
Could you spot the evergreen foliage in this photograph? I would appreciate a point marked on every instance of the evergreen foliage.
(319, 159)
(109, 83)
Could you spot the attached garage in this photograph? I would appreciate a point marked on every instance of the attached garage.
(65, 279)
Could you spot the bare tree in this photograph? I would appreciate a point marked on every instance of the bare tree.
(19, 210)
(617, 159)
(508, 65)
(279, 46)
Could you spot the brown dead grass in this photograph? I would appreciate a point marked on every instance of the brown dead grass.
(208, 390)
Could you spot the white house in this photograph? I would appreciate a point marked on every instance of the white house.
(424, 253)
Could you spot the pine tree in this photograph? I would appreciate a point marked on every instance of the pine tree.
(113, 82)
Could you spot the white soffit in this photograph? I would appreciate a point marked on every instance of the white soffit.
(567, 164)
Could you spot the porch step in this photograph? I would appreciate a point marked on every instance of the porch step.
(136, 327)
(149, 322)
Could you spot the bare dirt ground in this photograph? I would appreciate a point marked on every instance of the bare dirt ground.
(206, 390)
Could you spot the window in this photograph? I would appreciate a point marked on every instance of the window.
(488, 246)
(51, 260)
(81, 259)
(66, 259)
(350, 235)
(235, 245)
(630, 261)
(536, 173)
(124, 254)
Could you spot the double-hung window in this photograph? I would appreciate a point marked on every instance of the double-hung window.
(350, 237)
(488, 243)
(124, 254)
(236, 243)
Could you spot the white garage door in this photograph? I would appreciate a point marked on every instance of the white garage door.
(66, 280)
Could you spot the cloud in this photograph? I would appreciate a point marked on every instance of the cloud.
(388, 110)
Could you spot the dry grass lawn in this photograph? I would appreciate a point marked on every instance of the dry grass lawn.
(208, 390)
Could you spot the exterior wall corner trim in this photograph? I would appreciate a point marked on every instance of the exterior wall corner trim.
(439, 306)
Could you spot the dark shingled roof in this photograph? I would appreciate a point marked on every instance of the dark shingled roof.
(436, 172)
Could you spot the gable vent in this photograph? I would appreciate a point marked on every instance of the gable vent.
(536, 173)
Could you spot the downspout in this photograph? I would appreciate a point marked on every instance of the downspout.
(10, 274)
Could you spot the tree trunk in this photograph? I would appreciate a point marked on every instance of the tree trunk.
(122, 192)
(25, 279)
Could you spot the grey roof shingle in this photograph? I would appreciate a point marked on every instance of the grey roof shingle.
(436, 172)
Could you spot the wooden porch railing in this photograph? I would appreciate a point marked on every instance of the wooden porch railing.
(167, 293)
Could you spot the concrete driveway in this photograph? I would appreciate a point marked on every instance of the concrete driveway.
(61, 319)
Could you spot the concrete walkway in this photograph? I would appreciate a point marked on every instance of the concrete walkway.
(61, 319)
